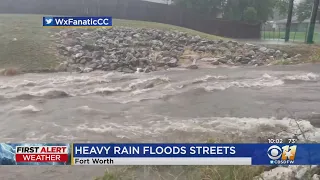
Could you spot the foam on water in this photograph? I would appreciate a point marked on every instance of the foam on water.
(108, 90)
(251, 128)
(57, 80)
(215, 88)
(65, 85)
(303, 77)
(27, 109)
(143, 82)
(88, 109)
(267, 76)
(46, 93)
(265, 81)
(208, 78)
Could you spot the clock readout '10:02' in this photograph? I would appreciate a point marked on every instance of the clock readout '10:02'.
(280, 141)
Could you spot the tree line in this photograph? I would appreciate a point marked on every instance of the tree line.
(247, 10)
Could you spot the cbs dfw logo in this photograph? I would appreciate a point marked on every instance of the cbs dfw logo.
(284, 155)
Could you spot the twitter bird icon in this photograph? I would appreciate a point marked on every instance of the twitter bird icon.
(48, 21)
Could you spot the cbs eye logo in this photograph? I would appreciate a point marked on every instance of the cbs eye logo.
(284, 153)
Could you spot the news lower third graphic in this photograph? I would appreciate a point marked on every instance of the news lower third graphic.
(158, 154)
(77, 22)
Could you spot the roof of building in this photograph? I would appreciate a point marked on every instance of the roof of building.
(293, 20)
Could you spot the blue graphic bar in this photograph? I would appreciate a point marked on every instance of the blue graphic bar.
(77, 21)
(261, 154)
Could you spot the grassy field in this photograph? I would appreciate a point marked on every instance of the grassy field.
(183, 173)
(26, 45)
(309, 53)
(186, 172)
(294, 36)
(139, 24)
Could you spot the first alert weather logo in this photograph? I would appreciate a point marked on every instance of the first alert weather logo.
(284, 155)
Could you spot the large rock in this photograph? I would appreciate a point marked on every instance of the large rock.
(270, 51)
(216, 62)
(278, 54)
(290, 173)
(279, 173)
(78, 55)
(245, 60)
(251, 53)
(70, 42)
(209, 59)
(93, 65)
(127, 70)
(315, 177)
(156, 43)
(61, 67)
(87, 70)
(173, 62)
(97, 54)
(193, 66)
(263, 49)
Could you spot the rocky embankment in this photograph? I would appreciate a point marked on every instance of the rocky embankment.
(291, 173)
(137, 49)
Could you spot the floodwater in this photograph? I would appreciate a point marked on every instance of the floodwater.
(242, 103)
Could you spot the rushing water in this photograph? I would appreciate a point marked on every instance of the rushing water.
(172, 106)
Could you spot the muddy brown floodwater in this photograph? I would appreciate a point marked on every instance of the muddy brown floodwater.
(169, 106)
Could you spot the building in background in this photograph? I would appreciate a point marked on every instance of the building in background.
(296, 25)
(161, 1)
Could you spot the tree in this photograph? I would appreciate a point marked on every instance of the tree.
(250, 14)
(207, 7)
(235, 9)
(282, 7)
(312, 21)
(240, 10)
(289, 18)
(303, 10)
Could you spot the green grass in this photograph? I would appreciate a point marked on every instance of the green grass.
(34, 48)
(282, 62)
(315, 57)
(185, 172)
(294, 36)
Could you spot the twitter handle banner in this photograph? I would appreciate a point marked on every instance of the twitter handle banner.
(77, 21)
